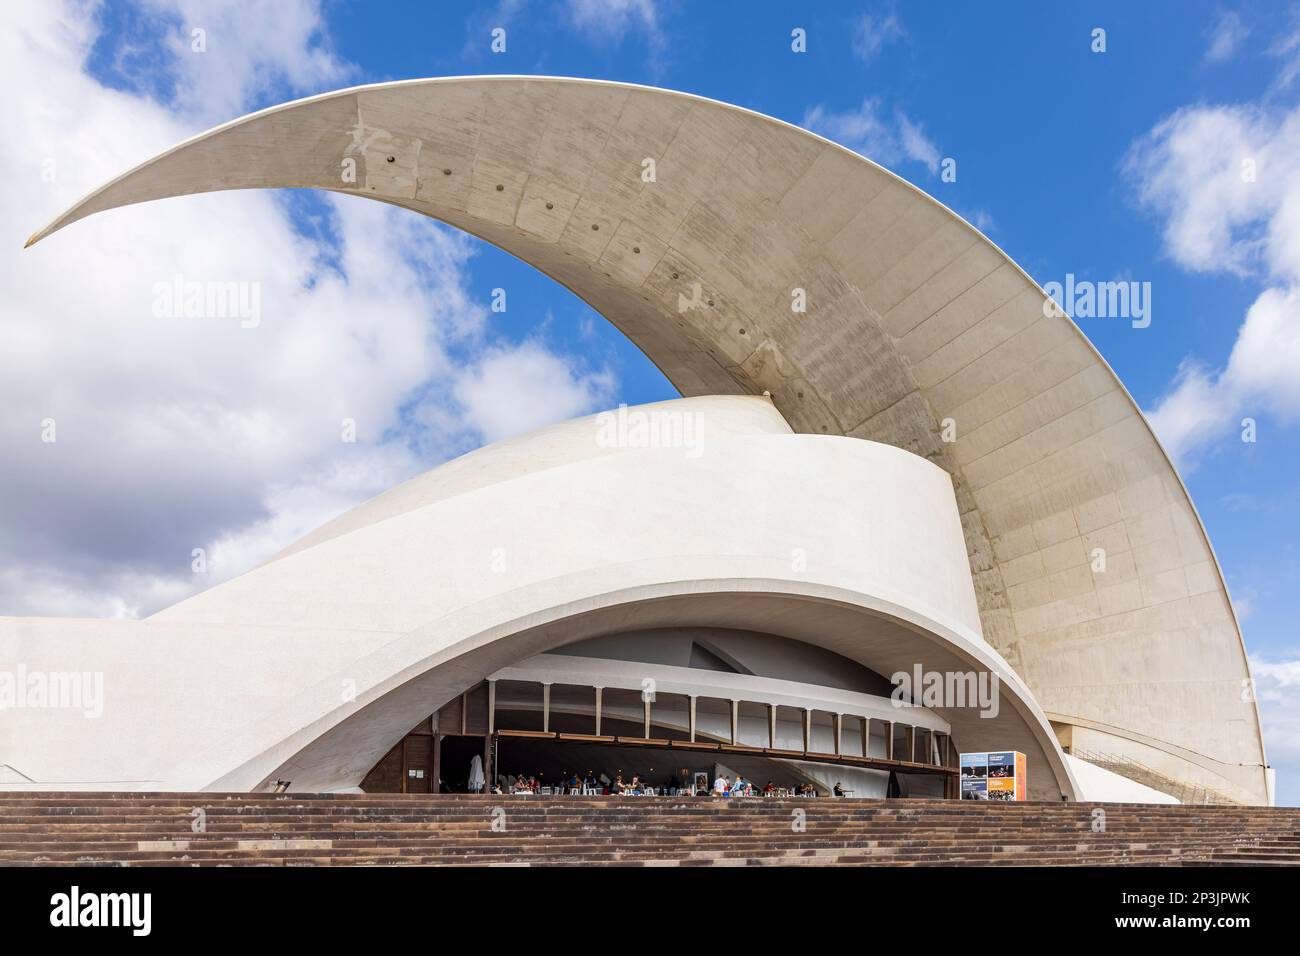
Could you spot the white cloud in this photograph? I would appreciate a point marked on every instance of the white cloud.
(1225, 37)
(1225, 182)
(116, 593)
(1277, 688)
(174, 433)
(1287, 49)
(512, 391)
(1191, 414)
(480, 24)
(605, 24)
(915, 143)
(252, 47)
(884, 140)
(1219, 175)
(614, 19)
(872, 33)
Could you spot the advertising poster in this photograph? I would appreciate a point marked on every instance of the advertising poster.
(996, 775)
(974, 776)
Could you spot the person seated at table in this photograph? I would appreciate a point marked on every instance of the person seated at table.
(573, 783)
(839, 789)
(589, 782)
(618, 786)
(769, 789)
(637, 786)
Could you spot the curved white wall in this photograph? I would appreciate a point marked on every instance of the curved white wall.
(272, 672)
(866, 517)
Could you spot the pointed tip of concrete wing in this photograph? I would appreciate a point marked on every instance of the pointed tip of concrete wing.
(69, 215)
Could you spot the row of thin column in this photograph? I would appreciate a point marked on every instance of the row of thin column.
(864, 724)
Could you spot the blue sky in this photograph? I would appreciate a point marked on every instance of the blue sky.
(1073, 161)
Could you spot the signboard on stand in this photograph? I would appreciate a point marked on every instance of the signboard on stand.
(994, 775)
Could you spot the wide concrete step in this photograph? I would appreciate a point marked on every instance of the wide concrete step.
(132, 829)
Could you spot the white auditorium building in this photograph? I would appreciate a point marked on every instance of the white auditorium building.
(889, 458)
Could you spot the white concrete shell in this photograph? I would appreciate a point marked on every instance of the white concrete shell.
(913, 317)
(310, 667)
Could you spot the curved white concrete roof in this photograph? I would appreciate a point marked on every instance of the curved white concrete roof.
(311, 666)
(912, 317)
(561, 444)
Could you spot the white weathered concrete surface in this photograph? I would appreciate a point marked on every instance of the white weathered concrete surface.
(1099, 785)
(913, 317)
(310, 667)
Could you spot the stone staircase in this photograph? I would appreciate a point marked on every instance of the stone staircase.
(173, 829)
